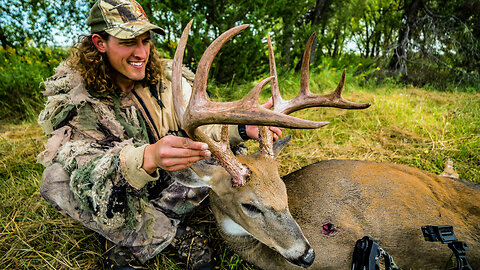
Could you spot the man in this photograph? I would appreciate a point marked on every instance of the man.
(115, 135)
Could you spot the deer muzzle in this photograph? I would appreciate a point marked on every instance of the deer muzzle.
(306, 259)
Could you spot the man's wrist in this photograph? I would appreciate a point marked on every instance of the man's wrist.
(132, 166)
(242, 131)
(148, 160)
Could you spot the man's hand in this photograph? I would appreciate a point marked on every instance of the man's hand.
(172, 153)
(252, 131)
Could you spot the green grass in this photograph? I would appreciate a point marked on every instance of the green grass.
(404, 125)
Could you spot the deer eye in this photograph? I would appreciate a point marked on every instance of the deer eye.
(251, 208)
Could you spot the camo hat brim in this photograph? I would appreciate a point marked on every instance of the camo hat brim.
(123, 19)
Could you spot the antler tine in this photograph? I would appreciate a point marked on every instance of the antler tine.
(279, 104)
(304, 79)
(305, 99)
(201, 76)
(178, 98)
(277, 98)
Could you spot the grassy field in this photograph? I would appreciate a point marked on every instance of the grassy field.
(404, 125)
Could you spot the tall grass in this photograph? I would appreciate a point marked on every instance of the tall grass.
(22, 71)
(404, 125)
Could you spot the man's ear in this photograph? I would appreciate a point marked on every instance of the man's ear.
(99, 43)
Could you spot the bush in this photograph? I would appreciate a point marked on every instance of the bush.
(22, 71)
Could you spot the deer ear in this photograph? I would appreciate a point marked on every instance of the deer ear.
(280, 144)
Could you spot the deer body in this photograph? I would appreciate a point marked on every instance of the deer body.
(387, 202)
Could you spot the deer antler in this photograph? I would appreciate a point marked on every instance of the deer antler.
(304, 99)
(201, 111)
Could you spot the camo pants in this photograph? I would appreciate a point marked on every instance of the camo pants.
(153, 232)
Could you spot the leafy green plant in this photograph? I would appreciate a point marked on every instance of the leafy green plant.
(22, 72)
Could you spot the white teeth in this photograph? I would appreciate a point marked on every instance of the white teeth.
(138, 64)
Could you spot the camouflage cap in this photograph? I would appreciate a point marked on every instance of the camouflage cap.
(123, 19)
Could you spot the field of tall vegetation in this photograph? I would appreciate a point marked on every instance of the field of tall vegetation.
(419, 127)
(22, 71)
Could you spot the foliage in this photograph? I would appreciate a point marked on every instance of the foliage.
(243, 58)
(22, 71)
(33, 22)
(413, 41)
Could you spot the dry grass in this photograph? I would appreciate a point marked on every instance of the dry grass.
(409, 126)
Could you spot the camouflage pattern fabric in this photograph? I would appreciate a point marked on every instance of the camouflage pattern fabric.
(152, 232)
(123, 19)
(84, 176)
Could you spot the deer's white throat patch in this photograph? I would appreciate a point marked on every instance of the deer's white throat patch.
(231, 227)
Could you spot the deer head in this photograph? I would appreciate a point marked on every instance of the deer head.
(248, 196)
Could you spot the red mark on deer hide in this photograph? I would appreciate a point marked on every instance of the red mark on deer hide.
(329, 229)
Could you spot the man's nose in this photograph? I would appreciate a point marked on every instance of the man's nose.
(140, 51)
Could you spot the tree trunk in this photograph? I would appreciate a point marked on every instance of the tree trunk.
(367, 36)
(398, 63)
(319, 13)
(4, 40)
(287, 46)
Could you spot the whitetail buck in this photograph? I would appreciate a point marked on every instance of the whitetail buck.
(333, 202)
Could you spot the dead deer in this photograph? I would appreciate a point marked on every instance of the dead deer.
(334, 202)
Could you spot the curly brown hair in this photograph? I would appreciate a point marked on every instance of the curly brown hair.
(96, 70)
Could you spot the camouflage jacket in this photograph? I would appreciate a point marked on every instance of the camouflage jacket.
(100, 142)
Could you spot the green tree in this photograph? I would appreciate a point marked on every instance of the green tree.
(243, 58)
(32, 22)
(438, 38)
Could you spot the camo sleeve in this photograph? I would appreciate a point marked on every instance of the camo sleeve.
(87, 139)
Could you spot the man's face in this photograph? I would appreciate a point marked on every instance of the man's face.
(128, 57)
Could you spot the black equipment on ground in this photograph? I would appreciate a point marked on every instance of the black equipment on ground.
(367, 255)
(445, 235)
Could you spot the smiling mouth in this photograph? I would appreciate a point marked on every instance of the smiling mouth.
(136, 64)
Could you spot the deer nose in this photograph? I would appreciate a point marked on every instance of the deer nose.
(306, 259)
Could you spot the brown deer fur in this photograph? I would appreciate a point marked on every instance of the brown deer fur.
(387, 202)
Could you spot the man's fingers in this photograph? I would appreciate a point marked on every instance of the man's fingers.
(277, 132)
(183, 153)
(175, 164)
(186, 143)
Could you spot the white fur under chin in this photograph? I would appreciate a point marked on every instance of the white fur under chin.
(231, 227)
